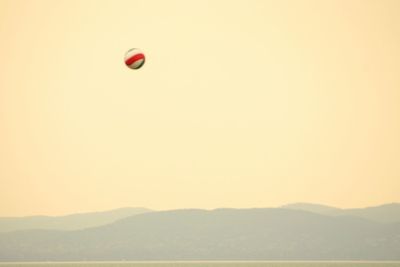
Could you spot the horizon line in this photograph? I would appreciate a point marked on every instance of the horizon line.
(197, 208)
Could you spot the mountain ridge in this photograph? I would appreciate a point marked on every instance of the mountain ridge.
(220, 234)
(68, 222)
(385, 213)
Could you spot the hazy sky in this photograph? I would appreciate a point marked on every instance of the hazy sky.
(240, 104)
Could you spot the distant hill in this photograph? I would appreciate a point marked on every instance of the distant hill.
(387, 213)
(384, 213)
(316, 208)
(68, 222)
(223, 234)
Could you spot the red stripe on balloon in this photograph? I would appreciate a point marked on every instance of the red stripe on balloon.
(134, 58)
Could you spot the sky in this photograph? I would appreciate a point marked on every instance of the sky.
(239, 104)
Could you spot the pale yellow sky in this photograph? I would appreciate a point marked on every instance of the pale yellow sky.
(240, 104)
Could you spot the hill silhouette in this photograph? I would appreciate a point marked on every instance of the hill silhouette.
(222, 234)
(67, 222)
(387, 213)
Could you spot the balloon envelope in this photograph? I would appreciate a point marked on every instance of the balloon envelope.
(134, 58)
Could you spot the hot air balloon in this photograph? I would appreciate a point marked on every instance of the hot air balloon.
(134, 58)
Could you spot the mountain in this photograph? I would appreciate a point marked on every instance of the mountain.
(222, 234)
(68, 222)
(387, 213)
(316, 208)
